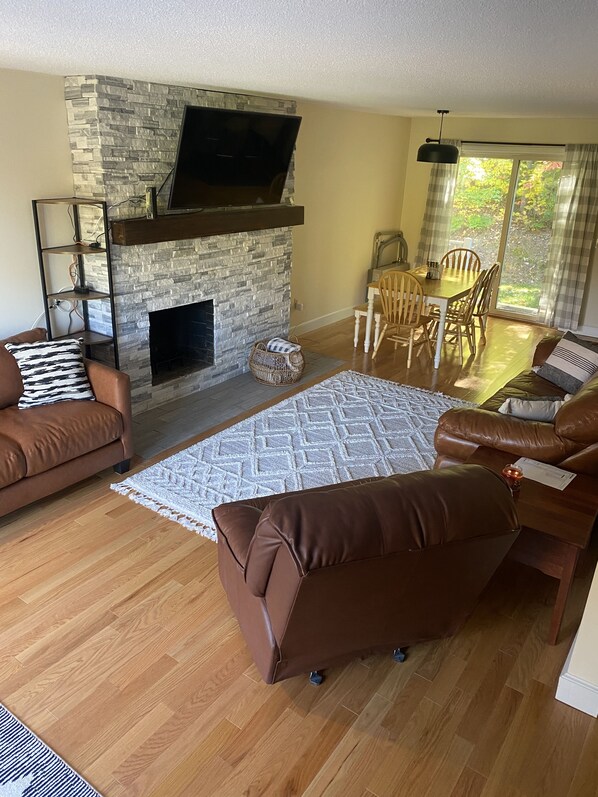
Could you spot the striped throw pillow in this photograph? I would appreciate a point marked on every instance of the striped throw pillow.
(51, 371)
(572, 362)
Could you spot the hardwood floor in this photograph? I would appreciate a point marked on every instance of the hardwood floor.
(117, 647)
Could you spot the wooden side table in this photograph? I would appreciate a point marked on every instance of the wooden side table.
(556, 526)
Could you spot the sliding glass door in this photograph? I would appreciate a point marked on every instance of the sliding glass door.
(503, 209)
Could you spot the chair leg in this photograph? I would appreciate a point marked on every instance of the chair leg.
(428, 344)
(483, 329)
(377, 319)
(470, 332)
(357, 325)
(409, 353)
(460, 339)
(380, 339)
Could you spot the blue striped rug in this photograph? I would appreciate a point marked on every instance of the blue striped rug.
(28, 768)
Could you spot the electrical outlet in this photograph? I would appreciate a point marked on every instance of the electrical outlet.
(297, 305)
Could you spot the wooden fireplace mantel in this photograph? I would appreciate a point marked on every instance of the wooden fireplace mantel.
(178, 226)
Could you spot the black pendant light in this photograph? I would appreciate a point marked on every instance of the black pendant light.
(433, 151)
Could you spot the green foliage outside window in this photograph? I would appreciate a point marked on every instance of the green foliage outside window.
(478, 212)
(481, 190)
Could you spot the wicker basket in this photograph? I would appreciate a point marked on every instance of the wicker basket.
(275, 368)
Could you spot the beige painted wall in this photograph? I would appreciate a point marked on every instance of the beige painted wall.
(35, 162)
(350, 169)
(541, 131)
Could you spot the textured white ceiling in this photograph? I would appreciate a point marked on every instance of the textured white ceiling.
(408, 57)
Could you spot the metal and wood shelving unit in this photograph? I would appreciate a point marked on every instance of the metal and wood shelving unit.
(80, 250)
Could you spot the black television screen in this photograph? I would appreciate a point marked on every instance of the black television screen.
(231, 158)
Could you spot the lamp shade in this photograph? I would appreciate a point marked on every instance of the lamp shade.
(435, 152)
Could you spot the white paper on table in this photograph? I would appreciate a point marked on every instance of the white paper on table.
(545, 474)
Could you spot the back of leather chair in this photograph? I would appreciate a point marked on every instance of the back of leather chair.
(370, 567)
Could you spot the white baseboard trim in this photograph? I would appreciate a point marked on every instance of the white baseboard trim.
(590, 332)
(576, 692)
(322, 321)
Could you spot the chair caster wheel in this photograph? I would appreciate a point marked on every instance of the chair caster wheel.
(399, 655)
(316, 677)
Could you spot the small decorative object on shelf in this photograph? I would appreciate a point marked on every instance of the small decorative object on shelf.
(513, 476)
(275, 368)
(77, 294)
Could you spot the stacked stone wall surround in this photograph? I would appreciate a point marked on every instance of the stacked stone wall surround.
(123, 136)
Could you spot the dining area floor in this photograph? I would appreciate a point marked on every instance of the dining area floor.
(508, 350)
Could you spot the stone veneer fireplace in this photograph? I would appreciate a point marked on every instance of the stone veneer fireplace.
(123, 136)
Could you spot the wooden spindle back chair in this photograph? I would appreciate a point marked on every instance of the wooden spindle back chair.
(460, 318)
(485, 298)
(402, 300)
(461, 260)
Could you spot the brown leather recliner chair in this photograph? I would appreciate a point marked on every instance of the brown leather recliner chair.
(319, 577)
(571, 442)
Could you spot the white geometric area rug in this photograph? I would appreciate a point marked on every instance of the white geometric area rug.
(349, 426)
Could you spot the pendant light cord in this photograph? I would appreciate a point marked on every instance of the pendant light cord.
(442, 113)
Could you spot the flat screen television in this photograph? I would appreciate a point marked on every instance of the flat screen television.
(229, 158)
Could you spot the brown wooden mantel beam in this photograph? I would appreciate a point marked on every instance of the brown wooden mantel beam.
(178, 226)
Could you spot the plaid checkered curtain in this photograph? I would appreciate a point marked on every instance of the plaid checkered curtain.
(436, 226)
(573, 231)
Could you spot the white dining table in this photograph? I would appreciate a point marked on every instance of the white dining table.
(452, 286)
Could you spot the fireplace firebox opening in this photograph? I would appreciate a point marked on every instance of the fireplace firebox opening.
(181, 340)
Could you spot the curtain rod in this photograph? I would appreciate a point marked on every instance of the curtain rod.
(511, 143)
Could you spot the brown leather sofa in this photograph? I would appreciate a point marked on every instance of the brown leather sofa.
(571, 442)
(44, 449)
(322, 576)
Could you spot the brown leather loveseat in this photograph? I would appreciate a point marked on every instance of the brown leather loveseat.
(571, 442)
(322, 576)
(44, 449)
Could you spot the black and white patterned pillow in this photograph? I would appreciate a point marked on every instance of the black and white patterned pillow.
(572, 362)
(51, 371)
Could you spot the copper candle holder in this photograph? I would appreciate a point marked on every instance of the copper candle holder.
(513, 476)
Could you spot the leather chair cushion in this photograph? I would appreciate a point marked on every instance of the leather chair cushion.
(523, 386)
(12, 462)
(56, 433)
(11, 384)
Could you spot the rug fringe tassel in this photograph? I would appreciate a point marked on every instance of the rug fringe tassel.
(165, 511)
(410, 387)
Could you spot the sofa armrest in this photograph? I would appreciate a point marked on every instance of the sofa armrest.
(546, 346)
(113, 388)
(532, 439)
